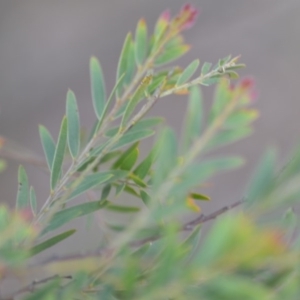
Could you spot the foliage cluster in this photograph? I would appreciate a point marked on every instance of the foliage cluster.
(251, 253)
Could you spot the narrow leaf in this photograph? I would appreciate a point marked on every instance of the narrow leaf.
(188, 72)
(205, 68)
(228, 136)
(241, 118)
(23, 189)
(64, 216)
(129, 161)
(159, 30)
(198, 173)
(140, 125)
(201, 197)
(122, 209)
(108, 102)
(262, 179)
(48, 145)
(105, 192)
(125, 62)
(141, 47)
(33, 203)
(51, 242)
(137, 180)
(130, 190)
(89, 182)
(119, 189)
(223, 95)
(193, 240)
(59, 153)
(73, 124)
(193, 118)
(124, 155)
(139, 93)
(167, 156)
(132, 137)
(145, 198)
(97, 87)
(172, 54)
(144, 167)
(157, 81)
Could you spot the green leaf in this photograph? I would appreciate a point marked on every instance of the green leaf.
(137, 180)
(172, 54)
(33, 201)
(211, 80)
(262, 179)
(236, 67)
(157, 81)
(125, 62)
(131, 153)
(59, 153)
(198, 173)
(193, 240)
(131, 137)
(138, 126)
(121, 208)
(167, 156)
(145, 198)
(228, 136)
(73, 124)
(108, 102)
(130, 64)
(105, 192)
(130, 190)
(205, 68)
(48, 145)
(64, 216)
(241, 118)
(144, 167)
(89, 182)
(23, 189)
(109, 156)
(193, 118)
(130, 160)
(138, 94)
(188, 72)
(141, 47)
(97, 86)
(216, 242)
(159, 30)
(119, 189)
(51, 242)
(232, 74)
(201, 197)
(223, 95)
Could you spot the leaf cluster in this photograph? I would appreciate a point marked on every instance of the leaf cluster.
(248, 254)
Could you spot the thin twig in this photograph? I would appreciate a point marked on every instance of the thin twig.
(185, 227)
(203, 218)
(31, 287)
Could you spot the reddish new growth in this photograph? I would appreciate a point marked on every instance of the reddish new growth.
(166, 15)
(248, 85)
(188, 14)
(186, 18)
(245, 86)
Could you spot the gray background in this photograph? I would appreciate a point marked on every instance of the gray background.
(45, 48)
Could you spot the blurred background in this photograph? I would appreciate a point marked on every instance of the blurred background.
(45, 48)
